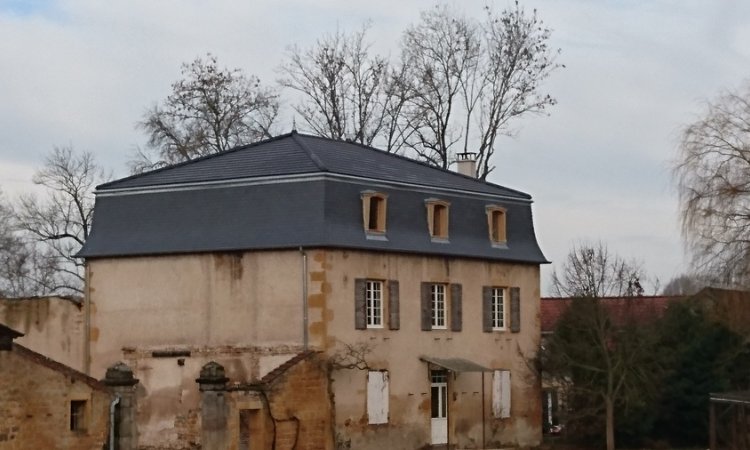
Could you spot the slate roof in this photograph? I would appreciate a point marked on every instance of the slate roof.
(294, 154)
(301, 191)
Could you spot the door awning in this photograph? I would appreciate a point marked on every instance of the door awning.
(455, 364)
(737, 397)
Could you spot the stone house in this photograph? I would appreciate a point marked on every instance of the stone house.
(418, 289)
(46, 404)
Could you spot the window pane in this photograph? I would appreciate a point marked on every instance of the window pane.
(435, 402)
(438, 305)
(498, 308)
(374, 303)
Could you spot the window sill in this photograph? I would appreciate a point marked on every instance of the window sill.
(440, 240)
(375, 236)
(500, 245)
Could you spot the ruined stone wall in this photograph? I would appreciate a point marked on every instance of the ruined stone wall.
(52, 326)
(36, 401)
(294, 410)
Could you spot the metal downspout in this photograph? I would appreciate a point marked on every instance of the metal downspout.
(112, 407)
(484, 416)
(87, 321)
(305, 333)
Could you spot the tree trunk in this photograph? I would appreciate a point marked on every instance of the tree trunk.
(610, 424)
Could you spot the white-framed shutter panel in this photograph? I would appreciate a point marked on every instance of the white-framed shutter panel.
(377, 397)
(501, 394)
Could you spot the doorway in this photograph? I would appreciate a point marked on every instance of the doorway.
(439, 406)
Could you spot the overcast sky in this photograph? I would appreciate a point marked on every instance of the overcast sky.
(82, 72)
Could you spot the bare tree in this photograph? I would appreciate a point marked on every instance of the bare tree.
(603, 365)
(590, 270)
(209, 110)
(471, 80)
(686, 284)
(59, 223)
(713, 179)
(347, 92)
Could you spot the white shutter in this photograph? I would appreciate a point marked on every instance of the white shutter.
(377, 397)
(501, 394)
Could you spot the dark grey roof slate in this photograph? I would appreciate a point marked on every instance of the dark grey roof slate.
(148, 215)
(294, 153)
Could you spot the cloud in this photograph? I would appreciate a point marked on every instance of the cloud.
(82, 72)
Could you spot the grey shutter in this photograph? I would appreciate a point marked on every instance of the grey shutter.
(515, 309)
(456, 307)
(360, 320)
(394, 322)
(426, 303)
(487, 309)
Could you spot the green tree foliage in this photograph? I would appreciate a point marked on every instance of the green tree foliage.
(604, 366)
(701, 357)
(667, 368)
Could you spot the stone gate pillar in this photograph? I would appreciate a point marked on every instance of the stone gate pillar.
(214, 408)
(122, 383)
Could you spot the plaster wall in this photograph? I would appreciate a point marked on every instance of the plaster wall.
(332, 275)
(244, 310)
(168, 316)
(52, 326)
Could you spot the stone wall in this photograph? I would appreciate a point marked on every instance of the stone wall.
(36, 395)
(289, 409)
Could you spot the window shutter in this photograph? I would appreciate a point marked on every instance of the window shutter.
(426, 303)
(501, 394)
(394, 322)
(377, 397)
(456, 307)
(515, 309)
(360, 320)
(487, 309)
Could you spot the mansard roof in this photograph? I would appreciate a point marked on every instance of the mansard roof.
(297, 191)
(297, 154)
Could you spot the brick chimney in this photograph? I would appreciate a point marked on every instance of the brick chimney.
(466, 164)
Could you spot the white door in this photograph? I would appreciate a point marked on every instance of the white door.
(439, 398)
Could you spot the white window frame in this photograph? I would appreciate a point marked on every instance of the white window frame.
(498, 309)
(439, 307)
(374, 303)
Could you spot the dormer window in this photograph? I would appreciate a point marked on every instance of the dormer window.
(437, 219)
(374, 212)
(496, 221)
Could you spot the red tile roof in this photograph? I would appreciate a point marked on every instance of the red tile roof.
(639, 309)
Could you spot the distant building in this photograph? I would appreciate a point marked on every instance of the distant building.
(52, 326)
(417, 288)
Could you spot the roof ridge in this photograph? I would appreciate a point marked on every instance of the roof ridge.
(273, 375)
(57, 366)
(313, 157)
(195, 160)
(405, 158)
